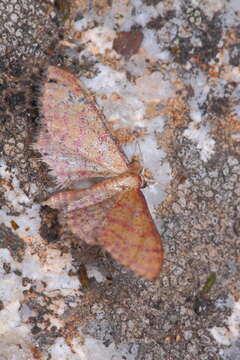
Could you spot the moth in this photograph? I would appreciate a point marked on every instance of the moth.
(76, 144)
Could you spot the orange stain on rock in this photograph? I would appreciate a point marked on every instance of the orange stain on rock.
(76, 144)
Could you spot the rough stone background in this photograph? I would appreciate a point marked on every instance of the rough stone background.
(74, 302)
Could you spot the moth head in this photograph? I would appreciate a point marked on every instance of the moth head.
(135, 166)
(144, 173)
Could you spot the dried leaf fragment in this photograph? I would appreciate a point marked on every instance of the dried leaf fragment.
(127, 43)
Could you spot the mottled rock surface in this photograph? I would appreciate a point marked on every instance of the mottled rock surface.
(176, 95)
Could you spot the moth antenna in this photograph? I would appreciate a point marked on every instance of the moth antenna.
(137, 152)
(140, 151)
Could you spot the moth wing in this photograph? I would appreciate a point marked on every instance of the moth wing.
(74, 127)
(86, 222)
(66, 167)
(122, 224)
(130, 235)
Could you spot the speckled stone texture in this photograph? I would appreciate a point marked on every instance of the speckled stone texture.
(28, 32)
(181, 83)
